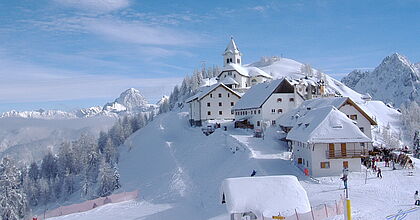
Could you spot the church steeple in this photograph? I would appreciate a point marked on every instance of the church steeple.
(232, 54)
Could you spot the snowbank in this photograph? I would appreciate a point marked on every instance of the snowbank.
(265, 196)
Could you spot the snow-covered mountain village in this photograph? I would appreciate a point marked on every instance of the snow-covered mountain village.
(245, 135)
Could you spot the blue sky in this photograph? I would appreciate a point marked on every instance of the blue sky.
(66, 54)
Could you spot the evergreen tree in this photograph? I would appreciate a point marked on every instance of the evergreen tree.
(12, 198)
(109, 180)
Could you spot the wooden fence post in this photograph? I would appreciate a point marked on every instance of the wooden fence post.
(336, 207)
(297, 216)
(326, 210)
(312, 212)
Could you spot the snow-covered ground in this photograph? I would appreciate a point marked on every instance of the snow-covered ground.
(179, 171)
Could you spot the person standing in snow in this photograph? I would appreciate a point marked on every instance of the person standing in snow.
(379, 173)
(253, 173)
(417, 198)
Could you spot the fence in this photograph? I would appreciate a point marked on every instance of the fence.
(319, 212)
(91, 204)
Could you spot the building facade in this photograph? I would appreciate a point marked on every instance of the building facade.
(212, 103)
(265, 102)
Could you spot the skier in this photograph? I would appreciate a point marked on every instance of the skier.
(417, 198)
(379, 173)
(253, 173)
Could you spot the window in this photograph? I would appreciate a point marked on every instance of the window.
(345, 164)
(353, 117)
(325, 165)
(230, 60)
(279, 110)
(208, 104)
(362, 144)
(232, 103)
(220, 95)
(273, 110)
(220, 104)
(273, 122)
(291, 100)
(228, 95)
(231, 112)
(211, 95)
(230, 73)
(238, 61)
(220, 112)
(307, 164)
(259, 111)
(299, 160)
(279, 100)
(258, 123)
(227, 60)
(234, 75)
(209, 113)
(362, 129)
(255, 112)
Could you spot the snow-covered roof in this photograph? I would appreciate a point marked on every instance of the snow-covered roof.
(231, 47)
(256, 96)
(326, 125)
(204, 90)
(290, 118)
(248, 71)
(229, 81)
(265, 195)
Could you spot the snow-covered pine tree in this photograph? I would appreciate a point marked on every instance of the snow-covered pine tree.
(12, 198)
(103, 137)
(49, 167)
(110, 152)
(109, 179)
(126, 126)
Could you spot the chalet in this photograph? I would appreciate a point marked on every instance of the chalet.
(344, 104)
(212, 103)
(265, 102)
(236, 76)
(264, 197)
(325, 140)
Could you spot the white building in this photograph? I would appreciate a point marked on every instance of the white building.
(264, 197)
(325, 140)
(213, 102)
(265, 102)
(236, 76)
(344, 104)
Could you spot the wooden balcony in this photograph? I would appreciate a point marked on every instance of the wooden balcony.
(338, 154)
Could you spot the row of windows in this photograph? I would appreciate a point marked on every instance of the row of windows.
(290, 99)
(209, 112)
(219, 95)
(323, 165)
(220, 104)
(273, 111)
(230, 60)
(251, 112)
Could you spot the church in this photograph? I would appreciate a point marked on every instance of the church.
(215, 102)
(236, 76)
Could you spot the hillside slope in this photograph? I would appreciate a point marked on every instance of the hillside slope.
(178, 171)
(172, 163)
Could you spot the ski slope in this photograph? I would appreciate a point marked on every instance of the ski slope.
(179, 171)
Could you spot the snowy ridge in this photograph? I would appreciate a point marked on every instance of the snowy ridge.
(396, 80)
(129, 102)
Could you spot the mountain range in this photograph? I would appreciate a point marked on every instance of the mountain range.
(130, 101)
(396, 80)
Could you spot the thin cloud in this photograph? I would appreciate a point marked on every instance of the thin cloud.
(34, 83)
(95, 5)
